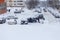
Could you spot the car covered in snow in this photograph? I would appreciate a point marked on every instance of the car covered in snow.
(11, 22)
(38, 10)
(11, 17)
(18, 11)
(54, 12)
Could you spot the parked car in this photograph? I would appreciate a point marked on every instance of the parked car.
(12, 22)
(2, 21)
(39, 17)
(36, 18)
(32, 20)
(8, 10)
(11, 17)
(38, 10)
(24, 22)
(44, 10)
(55, 14)
(18, 11)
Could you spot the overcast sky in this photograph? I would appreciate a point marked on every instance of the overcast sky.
(43, 0)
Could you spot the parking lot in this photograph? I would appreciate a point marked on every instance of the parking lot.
(41, 25)
(34, 14)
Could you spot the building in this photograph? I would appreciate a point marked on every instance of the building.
(43, 3)
(15, 3)
(2, 6)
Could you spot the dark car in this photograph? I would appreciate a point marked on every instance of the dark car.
(32, 20)
(17, 12)
(2, 21)
(8, 10)
(38, 18)
(44, 10)
(24, 22)
(41, 17)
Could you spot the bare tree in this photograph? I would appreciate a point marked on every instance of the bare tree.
(32, 4)
(53, 3)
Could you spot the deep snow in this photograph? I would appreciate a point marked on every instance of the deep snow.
(50, 30)
(30, 32)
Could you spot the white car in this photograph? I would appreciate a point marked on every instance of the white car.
(11, 21)
(11, 17)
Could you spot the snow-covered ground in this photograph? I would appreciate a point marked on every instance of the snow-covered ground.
(30, 32)
(50, 30)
